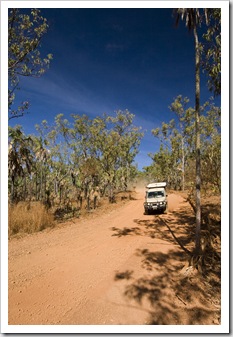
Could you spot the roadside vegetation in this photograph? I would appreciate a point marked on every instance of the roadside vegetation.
(25, 217)
(72, 164)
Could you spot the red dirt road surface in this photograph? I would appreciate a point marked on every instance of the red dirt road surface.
(113, 267)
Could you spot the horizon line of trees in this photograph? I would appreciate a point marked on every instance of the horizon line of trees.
(74, 157)
(80, 155)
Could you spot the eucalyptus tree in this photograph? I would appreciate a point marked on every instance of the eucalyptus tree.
(193, 19)
(26, 28)
(211, 50)
(177, 139)
(101, 149)
(163, 166)
(42, 155)
(120, 147)
(81, 135)
(211, 147)
(52, 159)
(177, 150)
(20, 158)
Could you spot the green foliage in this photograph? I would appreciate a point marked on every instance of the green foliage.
(211, 148)
(212, 50)
(25, 32)
(177, 139)
(174, 161)
(106, 145)
(77, 155)
(20, 158)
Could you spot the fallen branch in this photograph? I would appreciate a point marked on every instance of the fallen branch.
(179, 298)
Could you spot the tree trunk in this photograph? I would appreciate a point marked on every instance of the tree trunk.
(183, 162)
(36, 189)
(198, 153)
(41, 183)
(12, 188)
(25, 187)
(95, 201)
(88, 203)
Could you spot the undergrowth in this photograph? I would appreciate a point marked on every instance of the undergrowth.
(28, 217)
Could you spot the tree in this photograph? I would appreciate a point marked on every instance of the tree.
(211, 147)
(125, 139)
(41, 159)
(25, 32)
(211, 46)
(177, 137)
(20, 157)
(193, 20)
(94, 153)
(174, 160)
(163, 167)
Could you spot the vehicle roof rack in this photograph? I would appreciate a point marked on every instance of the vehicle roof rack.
(155, 185)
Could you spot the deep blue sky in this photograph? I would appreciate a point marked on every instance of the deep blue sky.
(110, 59)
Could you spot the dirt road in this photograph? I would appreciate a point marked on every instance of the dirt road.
(115, 267)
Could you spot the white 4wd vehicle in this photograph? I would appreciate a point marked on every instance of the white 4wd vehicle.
(156, 198)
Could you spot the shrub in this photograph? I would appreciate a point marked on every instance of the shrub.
(28, 217)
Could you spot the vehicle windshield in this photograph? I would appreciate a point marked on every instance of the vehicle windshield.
(156, 194)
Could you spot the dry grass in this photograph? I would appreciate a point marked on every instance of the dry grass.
(30, 217)
(26, 217)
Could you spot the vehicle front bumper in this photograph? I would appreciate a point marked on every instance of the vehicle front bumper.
(155, 206)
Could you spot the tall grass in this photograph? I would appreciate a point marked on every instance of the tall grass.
(28, 217)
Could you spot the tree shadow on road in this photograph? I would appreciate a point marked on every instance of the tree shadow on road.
(169, 291)
(166, 293)
(119, 232)
(181, 228)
